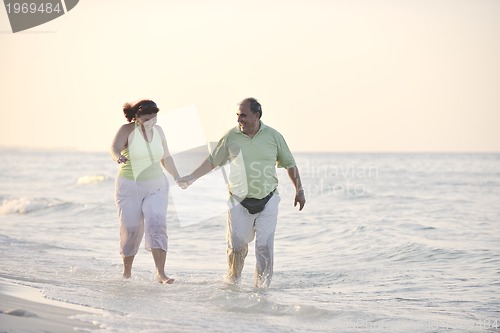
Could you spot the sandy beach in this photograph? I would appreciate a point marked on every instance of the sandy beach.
(25, 310)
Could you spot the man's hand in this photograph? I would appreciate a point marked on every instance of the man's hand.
(300, 199)
(185, 181)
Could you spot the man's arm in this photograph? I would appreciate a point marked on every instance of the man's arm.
(300, 198)
(202, 170)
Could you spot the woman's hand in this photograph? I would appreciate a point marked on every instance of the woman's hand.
(185, 181)
(122, 159)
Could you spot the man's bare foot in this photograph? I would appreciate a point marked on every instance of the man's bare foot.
(127, 267)
(162, 278)
(231, 279)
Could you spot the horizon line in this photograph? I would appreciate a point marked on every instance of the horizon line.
(79, 150)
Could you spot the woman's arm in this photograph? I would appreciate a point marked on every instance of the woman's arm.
(119, 143)
(167, 160)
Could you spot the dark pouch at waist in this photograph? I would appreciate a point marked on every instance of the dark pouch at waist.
(255, 206)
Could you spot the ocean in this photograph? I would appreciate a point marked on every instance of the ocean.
(387, 242)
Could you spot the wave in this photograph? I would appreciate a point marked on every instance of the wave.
(30, 205)
(91, 179)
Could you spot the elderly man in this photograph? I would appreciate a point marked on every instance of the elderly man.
(253, 151)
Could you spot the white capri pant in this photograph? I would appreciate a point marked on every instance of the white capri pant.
(142, 210)
(242, 228)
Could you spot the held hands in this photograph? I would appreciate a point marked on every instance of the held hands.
(185, 182)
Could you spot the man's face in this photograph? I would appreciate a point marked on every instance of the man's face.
(247, 120)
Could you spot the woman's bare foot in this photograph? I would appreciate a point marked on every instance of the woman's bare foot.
(162, 278)
(160, 257)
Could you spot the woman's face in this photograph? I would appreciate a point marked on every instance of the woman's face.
(147, 120)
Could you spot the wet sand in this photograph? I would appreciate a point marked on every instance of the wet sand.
(25, 310)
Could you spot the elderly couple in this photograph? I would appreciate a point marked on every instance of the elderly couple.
(141, 194)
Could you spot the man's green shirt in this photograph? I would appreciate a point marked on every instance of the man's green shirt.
(252, 161)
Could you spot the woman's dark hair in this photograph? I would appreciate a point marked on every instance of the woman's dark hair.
(145, 106)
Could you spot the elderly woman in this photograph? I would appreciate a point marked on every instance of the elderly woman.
(141, 189)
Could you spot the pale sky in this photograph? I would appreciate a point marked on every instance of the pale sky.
(331, 75)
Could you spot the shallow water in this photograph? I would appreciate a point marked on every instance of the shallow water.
(387, 242)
